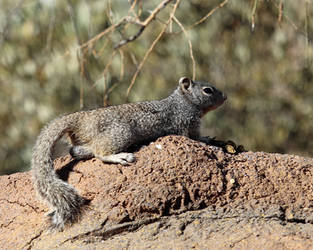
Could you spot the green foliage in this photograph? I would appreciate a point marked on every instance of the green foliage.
(266, 72)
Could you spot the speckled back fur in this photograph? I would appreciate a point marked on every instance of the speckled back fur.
(112, 130)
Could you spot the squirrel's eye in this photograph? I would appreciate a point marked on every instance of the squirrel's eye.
(208, 91)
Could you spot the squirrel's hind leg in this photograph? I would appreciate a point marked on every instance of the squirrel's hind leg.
(83, 152)
(110, 146)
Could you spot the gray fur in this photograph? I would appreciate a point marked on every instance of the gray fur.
(106, 132)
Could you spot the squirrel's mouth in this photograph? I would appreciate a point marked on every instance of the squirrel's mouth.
(223, 99)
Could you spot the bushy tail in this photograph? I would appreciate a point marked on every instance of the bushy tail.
(61, 196)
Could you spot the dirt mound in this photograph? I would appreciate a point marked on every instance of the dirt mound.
(176, 187)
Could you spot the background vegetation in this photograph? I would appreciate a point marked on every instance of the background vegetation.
(62, 56)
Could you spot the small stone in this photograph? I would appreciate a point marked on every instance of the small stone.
(230, 149)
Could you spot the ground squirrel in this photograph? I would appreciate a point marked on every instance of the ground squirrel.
(107, 133)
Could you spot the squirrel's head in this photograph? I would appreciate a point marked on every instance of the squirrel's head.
(202, 94)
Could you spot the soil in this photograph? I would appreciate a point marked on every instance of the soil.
(179, 193)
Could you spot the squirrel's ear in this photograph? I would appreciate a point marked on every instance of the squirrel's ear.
(185, 83)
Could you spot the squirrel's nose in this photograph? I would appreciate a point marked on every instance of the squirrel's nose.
(224, 97)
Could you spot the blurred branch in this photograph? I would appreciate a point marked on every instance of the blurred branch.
(51, 27)
(105, 68)
(90, 29)
(306, 22)
(304, 32)
(101, 34)
(107, 91)
(81, 55)
(5, 30)
(144, 24)
(308, 57)
(122, 64)
(190, 48)
(221, 5)
(81, 95)
(130, 39)
(280, 9)
(73, 18)
(132, 17)
(109, 11)
(125, 20)
(132, 10)
(280, 14)
(253, 14)
(151, 48)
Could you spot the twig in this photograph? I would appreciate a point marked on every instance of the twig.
(111, 88)
(306, 23)
(107, 30)
(144, 59)
(99, 53)
(280, 14)
(81, 95)
(133, 58)
(131, 10)
(308, 61)
(207, 15)
(132, 7)
(50, 27)
(130, 39)
(109, 11)
(73, 18)
(287, 18)
(143, 24)
(190, 48)
(151, 48)
(101, 34)
(81, 59)
(105, 96)
(155, 12)
(122, 64)
(105, 68)
(8, 17)
(253, 14)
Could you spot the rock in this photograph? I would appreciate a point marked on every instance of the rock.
(178, 194)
